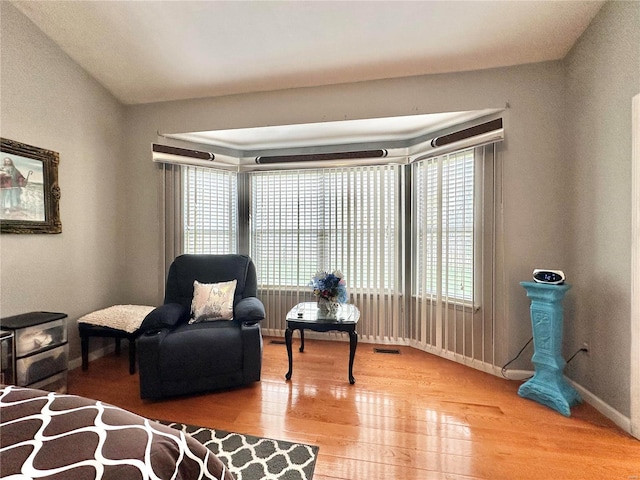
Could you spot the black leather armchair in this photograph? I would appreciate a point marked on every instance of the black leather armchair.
(176, 357)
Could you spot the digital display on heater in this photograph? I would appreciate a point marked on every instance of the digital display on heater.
(548, 276)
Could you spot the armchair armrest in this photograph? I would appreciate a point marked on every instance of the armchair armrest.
(249, 310)
(168, 315)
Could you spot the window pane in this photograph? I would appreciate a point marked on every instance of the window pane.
(444, 226)
(310, 220)
(210, 210)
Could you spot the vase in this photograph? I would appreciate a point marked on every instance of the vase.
(328, 307)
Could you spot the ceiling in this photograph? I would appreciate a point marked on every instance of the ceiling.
(153, 51)
(400, 132)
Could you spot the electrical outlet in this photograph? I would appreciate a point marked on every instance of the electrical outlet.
(587, 347)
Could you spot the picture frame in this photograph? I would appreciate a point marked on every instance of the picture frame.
(29, 190)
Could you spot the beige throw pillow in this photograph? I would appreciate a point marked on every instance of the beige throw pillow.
(212, 301)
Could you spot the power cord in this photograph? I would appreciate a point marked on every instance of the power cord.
(504, 368)
(583, 349)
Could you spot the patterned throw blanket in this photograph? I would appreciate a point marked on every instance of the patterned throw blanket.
(120, 317)
(54, 436)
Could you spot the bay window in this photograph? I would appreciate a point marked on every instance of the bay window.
(415, 240)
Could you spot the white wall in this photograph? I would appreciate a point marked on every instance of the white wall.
(49, 102)
(603, 75)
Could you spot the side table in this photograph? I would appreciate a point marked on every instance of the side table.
(307, 316)
(548, 385)
(40, 350)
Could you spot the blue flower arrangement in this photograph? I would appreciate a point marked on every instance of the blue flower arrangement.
(330, 286)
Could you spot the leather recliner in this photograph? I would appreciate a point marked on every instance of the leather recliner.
(177, 357)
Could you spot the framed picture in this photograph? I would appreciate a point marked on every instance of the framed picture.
(29, 191)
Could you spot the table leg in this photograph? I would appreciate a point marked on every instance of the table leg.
(287, 340)
(302, 340)
(84, 344)
(353, 343)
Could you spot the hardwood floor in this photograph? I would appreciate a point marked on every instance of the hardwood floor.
(409, 416)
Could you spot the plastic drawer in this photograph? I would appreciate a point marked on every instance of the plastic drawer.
(6, 357)
(41, 365)
(56, 383)
(38, 337)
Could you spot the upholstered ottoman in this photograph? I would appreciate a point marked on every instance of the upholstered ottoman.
(118, 322)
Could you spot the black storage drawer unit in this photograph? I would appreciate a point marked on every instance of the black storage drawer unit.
(6, 358)
(40, 350)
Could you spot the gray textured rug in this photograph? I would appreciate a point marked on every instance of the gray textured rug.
(256, 458)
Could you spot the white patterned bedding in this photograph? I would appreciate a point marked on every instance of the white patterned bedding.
(55, 436)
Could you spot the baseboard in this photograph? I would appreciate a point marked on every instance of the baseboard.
(596, 402)
(601, 406)
(517, 375)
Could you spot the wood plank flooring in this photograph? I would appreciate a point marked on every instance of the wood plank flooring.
(409, 416)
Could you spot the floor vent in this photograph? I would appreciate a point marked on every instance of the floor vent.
(277, 342)
(391, 351)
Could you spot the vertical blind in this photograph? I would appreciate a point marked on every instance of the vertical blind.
(340, 218)
(433, 254)
(452, 259)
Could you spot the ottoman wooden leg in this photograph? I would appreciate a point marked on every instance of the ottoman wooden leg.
(84, 345)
